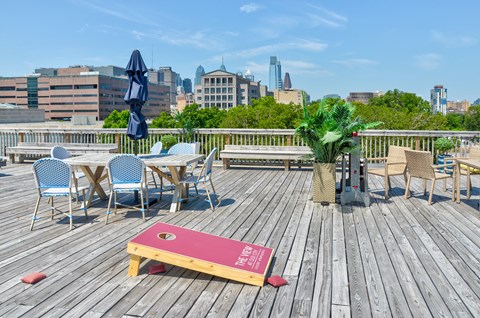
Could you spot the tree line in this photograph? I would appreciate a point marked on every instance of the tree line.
(396, 110)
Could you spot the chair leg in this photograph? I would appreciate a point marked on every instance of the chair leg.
(208, 195)
(52, 207)
(469, 184)
(70, 209)
(142, 209)
(115, 200)
(84, 205)
(214, 192)
(387, 186)
(424, 186)
(431, 192)
(161, 187)
(154, 181)
(34, 217)
(109, 205)
(407, 188)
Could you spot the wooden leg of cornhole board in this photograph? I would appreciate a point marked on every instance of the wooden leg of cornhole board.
(134, 267)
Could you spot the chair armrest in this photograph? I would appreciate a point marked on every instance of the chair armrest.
(377, 159)
(443, 166)
(396, 163)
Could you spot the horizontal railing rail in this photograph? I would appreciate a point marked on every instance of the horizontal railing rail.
(374, 142)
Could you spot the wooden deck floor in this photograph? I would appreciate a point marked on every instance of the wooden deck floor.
(396, 258)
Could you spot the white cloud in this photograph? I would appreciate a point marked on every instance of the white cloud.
(429, 61)
(453, 41)
(250, 7)
(355, 62)
(324, 17)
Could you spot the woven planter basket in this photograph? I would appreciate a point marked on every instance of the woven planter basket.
(324, 182)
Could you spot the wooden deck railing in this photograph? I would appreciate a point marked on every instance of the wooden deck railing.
(374, 142)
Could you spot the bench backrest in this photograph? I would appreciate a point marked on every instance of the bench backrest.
(269, 148)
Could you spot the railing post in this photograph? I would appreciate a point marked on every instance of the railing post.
(117, 141)
(67, 137)
(21, 137)
(227, 139)
(289, 140)
(417, 143)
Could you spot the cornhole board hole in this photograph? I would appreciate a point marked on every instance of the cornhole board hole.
(202, 252)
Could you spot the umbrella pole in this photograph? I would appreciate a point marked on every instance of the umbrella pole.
(135, 152)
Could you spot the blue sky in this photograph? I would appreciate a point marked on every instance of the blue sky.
(327, 46)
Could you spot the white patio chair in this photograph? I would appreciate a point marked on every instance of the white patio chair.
(178, 149)
(127, 173)
(53, 178)
(204, 176)
(155, 150)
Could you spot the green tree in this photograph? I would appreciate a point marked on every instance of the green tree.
(211, 117)
(117, 119)
(401, 101)
(455, 121)
(165, 120)
(240, 117)
(472, 118)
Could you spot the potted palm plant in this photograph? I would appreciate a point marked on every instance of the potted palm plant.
(328, 133)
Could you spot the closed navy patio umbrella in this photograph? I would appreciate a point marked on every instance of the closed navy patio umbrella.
(136, 96)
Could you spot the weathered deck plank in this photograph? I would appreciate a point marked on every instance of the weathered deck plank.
(394, 258)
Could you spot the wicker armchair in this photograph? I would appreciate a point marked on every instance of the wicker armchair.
(394, 165)
(419, 165)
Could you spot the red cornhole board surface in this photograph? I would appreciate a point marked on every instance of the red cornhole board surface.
(207, 253)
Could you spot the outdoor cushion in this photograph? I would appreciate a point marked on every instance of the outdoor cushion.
(472, 170)
(277, 281)
(33, 278)
(157, 268)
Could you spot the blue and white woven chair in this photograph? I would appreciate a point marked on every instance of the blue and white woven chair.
(204, 176)
(127, 173)
(54, 178)
(61, 153)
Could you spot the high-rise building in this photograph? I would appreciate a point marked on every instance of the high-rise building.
(438, 99)
(458, 107)
(275, 76)
(78, 90)
(295, 96)
(166, 76)
(362, 97)
(225, 90)
(249, 76)
(287, 83)
(198, 75)
(187, 85)
(222, 67)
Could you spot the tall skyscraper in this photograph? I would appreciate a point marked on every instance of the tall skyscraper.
(198, 75)
(287, 83)
(222, 67)
(187, 85)
(438, 99)
(275, 74)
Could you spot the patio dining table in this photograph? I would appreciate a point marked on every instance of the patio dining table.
(93, 165)
(469, 163)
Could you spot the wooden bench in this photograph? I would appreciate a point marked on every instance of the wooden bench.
(285, 153)
(43, 149)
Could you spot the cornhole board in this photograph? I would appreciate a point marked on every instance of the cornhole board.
(206, 253)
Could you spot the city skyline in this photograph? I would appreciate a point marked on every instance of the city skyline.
(327, 48)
